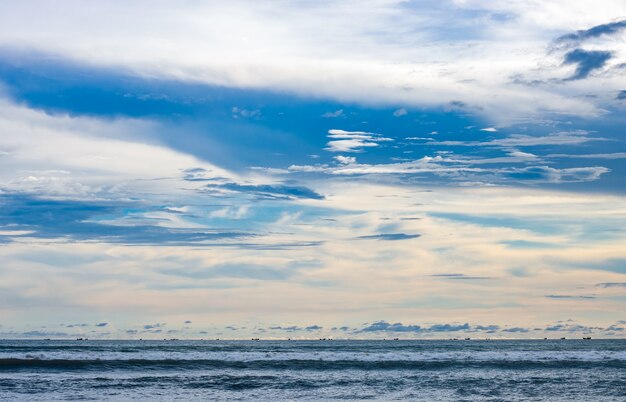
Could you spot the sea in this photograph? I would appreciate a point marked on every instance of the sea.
(264, 370)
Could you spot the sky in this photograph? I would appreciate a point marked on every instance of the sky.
(308, 169)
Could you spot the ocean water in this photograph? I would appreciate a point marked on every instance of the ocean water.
(475, 370)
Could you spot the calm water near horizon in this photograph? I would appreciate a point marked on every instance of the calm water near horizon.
(520, 370)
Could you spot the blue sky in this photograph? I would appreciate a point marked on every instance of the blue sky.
(291, 168)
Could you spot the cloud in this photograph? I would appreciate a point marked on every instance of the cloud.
(245, 113)
(153, 326)
(345, 160)
(335, 114)
(292, 328)
(390, 236)
(448, 327)
(612, 285)
(569, 297)
(487, 328)
(489, 129)
(296, 328)
(461, 170)
(516, 330)
(461, 276)
(379, 53)
(102, 324)
(522, 140)
(352, 141)
(591, 33)
(570, 327)
(614, 155)
(586, 61)
(552, 175)
(383, 326)
(400, 112)
(82, 220)
(621, 95)
(268, 191)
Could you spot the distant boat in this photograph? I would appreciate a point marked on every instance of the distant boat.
(586, 338)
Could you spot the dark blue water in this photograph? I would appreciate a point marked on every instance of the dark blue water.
(551, 370)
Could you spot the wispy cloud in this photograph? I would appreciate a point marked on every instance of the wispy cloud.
(353, 141)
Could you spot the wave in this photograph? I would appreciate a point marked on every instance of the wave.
(16, 364)
(325, 355)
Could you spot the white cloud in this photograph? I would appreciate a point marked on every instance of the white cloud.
(353, 141)
(335, 114)
(522, 140)
(345, 160)
(85, 157)
(377, 51)
(400, 112)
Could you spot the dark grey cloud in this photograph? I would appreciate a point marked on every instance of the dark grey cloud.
(586, 61)
(621, 95)
(516, 330)
(102, 324)
(569, 297)
(487, 328)
(390, 236)
(383, 326)
(76, 325)
(188, 322)
(594, 32)
(570, 327)
(291, 328)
